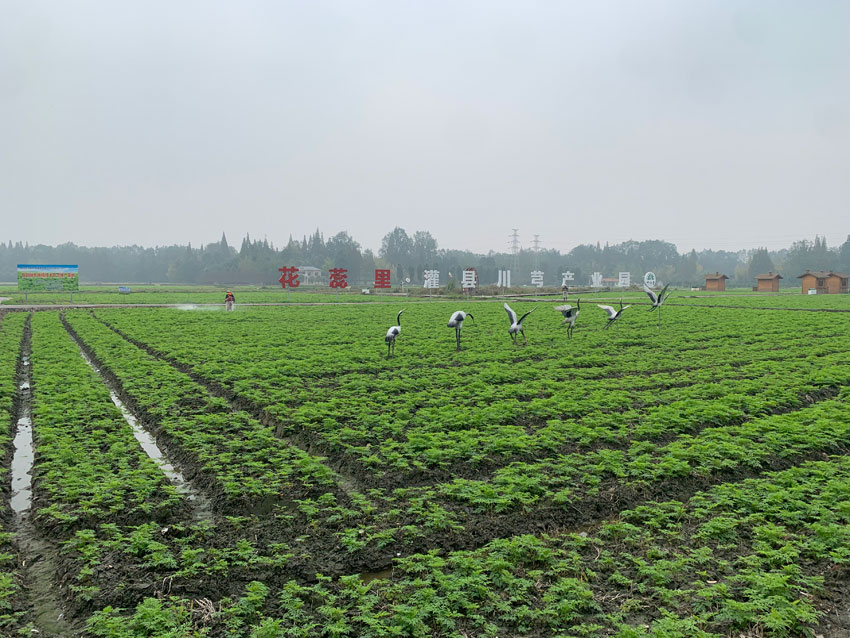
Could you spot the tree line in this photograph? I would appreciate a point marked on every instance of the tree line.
(407, 256)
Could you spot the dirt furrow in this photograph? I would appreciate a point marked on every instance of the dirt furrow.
(348, 481)
(40, 558)
(201, 505)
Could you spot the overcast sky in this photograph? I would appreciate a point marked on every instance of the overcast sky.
(705, 123)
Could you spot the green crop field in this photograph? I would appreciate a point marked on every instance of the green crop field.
(687, 480)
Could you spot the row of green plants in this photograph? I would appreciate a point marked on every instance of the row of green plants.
(227, 451)
(786, 299)
(90, 467)
(487, 406)
(13, 599)
(294, 500)
(90, 477)
(716, 392)
(752, 558)
(714, 431)
(752, 446)
(141, 295)
(290, 503)
(122, 530)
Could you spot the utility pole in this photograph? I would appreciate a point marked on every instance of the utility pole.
(515, 251)
(536, 244)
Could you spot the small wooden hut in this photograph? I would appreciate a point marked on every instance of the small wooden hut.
(825, 282)
(715, 282)
(768, 282)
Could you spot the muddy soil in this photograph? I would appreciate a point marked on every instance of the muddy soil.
(201, 506)
(39, 557)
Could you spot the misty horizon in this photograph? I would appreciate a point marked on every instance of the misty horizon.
(376, 250)
(705, 124)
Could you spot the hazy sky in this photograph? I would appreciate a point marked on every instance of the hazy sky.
(706, 123)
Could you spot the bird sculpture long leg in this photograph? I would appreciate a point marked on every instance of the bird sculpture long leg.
(457, 338)
(524, 338)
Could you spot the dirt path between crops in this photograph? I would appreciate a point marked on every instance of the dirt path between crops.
(39, 557)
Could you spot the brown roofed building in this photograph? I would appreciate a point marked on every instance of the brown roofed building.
(715, 282)
(768, 282)
(825, 282)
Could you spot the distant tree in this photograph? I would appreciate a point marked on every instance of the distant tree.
(807, 255)
(822, 257)
(258, 261)
(186, 269)
(397, 249)
(760, 263)
(423, 253)
(844, 256)
(344, 252)
(686, 273)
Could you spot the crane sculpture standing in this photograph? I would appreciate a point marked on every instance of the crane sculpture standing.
(392, 333)
(657, 300)
(570, 316)
(516, 325)
(456, 322)
(613, 315)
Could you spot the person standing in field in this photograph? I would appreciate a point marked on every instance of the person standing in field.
(229, 300)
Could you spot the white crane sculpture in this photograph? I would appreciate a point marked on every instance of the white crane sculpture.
(570, 316)
(613, 315)
(392, 333)
(516, 325)
(456, 322)
(657, 300)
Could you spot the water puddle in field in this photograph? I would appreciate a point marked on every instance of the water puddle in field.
(201, 308)
(23, 456)
(368, 577)
(200, 503)
(40, 573)
(37, 555)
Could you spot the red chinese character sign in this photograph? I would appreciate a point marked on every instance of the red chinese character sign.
(289, 277)
(338, 277)
(382, 278)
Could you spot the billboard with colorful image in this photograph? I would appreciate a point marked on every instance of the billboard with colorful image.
(48, 277)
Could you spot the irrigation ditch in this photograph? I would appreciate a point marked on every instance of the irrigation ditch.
(200, 503)
(39, 556)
